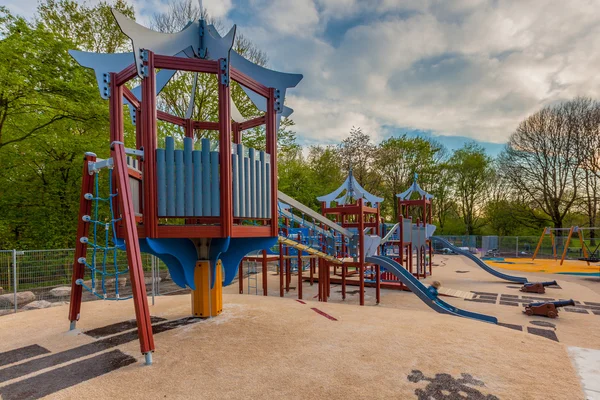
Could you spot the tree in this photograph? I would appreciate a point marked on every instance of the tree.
(541, 160)
(357, 152)
(472, 170)
(397, 159)
(588, 151)
(50, 114)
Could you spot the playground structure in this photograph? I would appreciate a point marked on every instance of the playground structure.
(420, 233)
(198, 210)
(202, 207)
(586, 255)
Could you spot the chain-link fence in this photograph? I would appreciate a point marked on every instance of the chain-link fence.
(516, 246)
(34, 279)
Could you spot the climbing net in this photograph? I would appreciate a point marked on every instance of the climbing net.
(103, 242)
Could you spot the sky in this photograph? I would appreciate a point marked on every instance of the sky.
(452, 70)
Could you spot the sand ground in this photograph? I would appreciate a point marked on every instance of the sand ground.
(280, 348)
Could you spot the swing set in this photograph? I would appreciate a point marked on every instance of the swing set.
(588, 254)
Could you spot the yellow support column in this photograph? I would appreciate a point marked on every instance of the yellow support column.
(207, 302)
(216, 293)
(201, 296)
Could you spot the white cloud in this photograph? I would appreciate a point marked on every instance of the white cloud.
(473, 68)
(217, 8)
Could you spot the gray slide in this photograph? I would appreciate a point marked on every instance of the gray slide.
(479, 261)
(421, 291)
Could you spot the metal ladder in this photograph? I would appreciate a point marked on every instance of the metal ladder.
(252, 276)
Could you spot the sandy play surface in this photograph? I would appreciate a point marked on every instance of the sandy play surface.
(280, 348)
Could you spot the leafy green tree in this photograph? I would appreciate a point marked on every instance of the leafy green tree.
(397, 159)
(472, 169)
(50, 113)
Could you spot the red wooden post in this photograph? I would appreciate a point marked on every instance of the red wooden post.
(300, 274)
(225, 151)
(281, 268)
(264, 272)
(378, 284)
(361, 246)
(148, 113)
(189, 128)
(312, 271)
(134, 257)
(344, 269)
(271, 136)
(85, 208)
(241, 276)
(237, 133)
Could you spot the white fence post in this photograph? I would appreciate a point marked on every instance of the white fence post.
(14, 259)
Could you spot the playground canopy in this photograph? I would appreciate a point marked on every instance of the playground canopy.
(353, 190)
(406, 195)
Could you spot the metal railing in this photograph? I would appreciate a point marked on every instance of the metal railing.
(33, 279)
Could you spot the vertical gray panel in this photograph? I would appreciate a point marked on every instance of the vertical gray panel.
(206, 206)
(247, 191)
(179, 184)
(188, 146)
(162, 182)
(170, 168)
(215, 198)
(241, 180)
(268, 185)
(252, 183)
(263, 185)
(197, 159)
(235, 189)
(407, 230)
(258, 189)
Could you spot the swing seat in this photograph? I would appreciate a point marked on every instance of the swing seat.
(590, 259)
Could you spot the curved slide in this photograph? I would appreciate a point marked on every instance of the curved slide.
(479, 262)
(421, 291)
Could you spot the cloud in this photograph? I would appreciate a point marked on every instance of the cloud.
(217, 8)
(466, 68)
(472, 68)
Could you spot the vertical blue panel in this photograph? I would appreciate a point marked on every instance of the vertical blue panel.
(179, 184)
(263, 185)
(206, 209)
(170, 168)
(235, 189)
(214, 184)
(252, 183)
(197, 157)
(247, 198)
(188, 146)
(268, 186)
(162, 182)
(258, 189)
(241, 180)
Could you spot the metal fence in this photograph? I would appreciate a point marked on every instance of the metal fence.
(34, 279)
(515, 246)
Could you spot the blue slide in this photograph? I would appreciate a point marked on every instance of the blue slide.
(479, 262)
(421, 291)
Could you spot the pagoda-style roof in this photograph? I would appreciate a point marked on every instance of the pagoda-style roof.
(414, 188)
(351, 189)
(198, 40)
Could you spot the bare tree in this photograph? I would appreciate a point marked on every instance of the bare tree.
(541, 160)
(588, 151)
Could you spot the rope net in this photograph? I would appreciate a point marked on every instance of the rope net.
(103, 263)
